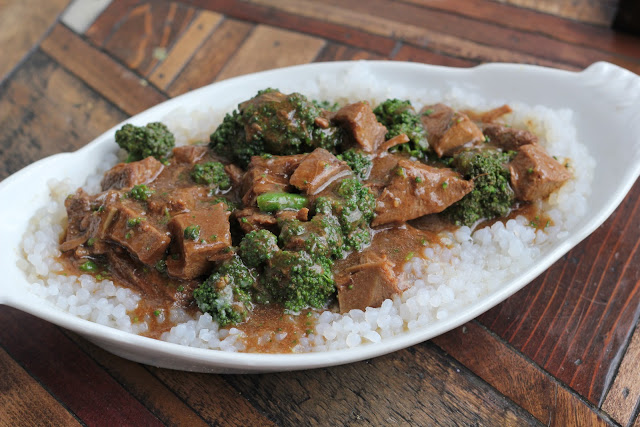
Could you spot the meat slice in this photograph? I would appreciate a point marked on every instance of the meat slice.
(251, 219)
(193, 252)
(381, 170)
(449, 130)
(535, 174)
(182, 199)
(126, 175)
(189, 153)
(508, 138)
(78, 211)
(317, 171)
(358, 119)
(416, 190)
(130, 228)
(267, 175)
(235, 173)
(366, 284)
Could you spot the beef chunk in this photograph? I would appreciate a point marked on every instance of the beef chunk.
(416, 190)
(449, 130)
(300, 215)
(235, 173)
(78, 213)
(508, 138)
(535, 174)
(366, 284)
(358, 119)
(381, 170)
(126, 175)
(189, 153)
(129, 227)
(267, 175)
(198, 238)
(251, 219)
(178, 200)
(318, 170)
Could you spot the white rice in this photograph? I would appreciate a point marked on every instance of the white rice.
(450, 277)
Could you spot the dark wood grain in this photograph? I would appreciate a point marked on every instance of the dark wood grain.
(45, 110)
(341, 52)
(575, 319)
(68, 373)
(24, 402)
(428, 389)
(306, 24)
(116, 83)
(205, 65)
(516, 377)
(414, 54)
(485, 33)
(553, 26)
(623, 399)
(17, 38)
(147, 32)
(143, 385)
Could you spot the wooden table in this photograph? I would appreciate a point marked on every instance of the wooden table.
(563, 351)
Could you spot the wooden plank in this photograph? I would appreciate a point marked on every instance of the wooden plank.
(623, 397)
(599, 12)
(108, 20)
(147, 32)
(18, 39)
(415, 33)
(533, 21)
(517, 378)
(138, 381)
(414, 54)
(269, 47)
(297, 22)
(45, 110)
(460, 28)
(185, 47)
(68, 373)
(24, 402)
(210, 57)
(575, 320)
(339, 52)
(98, 70)
(412, 387)
(212, 397)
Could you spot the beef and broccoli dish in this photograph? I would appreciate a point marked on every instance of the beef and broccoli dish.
(295, 205)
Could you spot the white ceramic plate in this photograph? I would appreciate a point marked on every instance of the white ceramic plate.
(604, 97)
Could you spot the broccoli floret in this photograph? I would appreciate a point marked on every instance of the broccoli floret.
(492, 196)
(226, 294)
(298, 281)
(257, 247)
(400, 117)
(320, 237)
(274, 123)
(211, 173)
(358, 161)
(353, 205)
(154, 139)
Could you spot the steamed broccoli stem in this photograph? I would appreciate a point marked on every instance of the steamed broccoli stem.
(211, 173)
(358, 161)
(299, 281)
(400, 117)
(140, 142)
(492, 196)
(257, 247)
(271, 202)
(226, 294)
